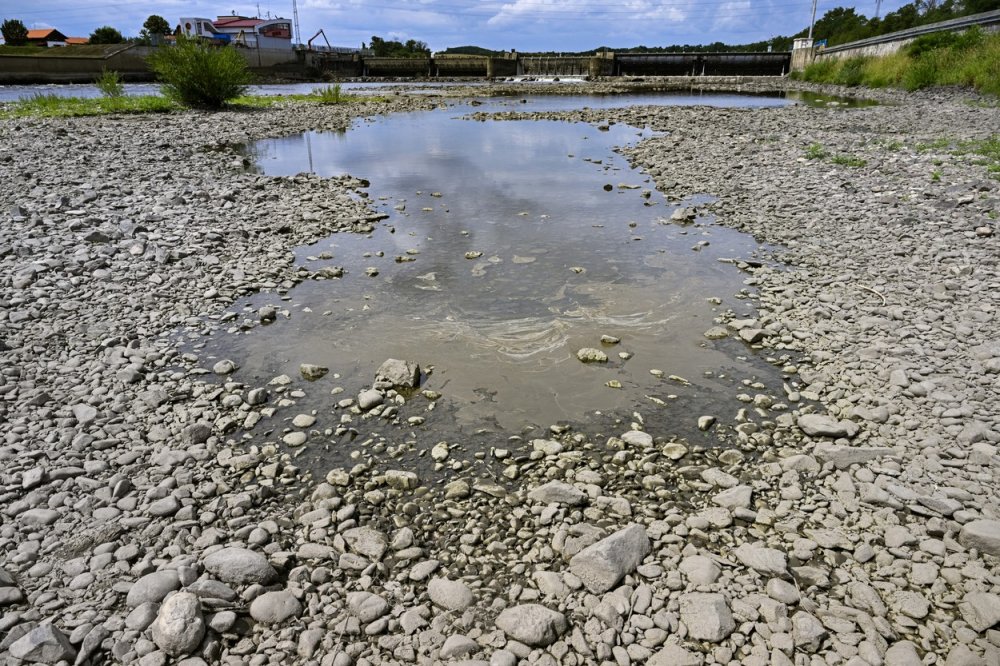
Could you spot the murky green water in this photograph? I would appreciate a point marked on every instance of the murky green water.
(523, 242)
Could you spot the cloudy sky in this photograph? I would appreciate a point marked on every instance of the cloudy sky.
(525, 25)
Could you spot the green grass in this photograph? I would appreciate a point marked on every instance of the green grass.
(969, 59)
(849, 160)
(815, 151)
(53, 106)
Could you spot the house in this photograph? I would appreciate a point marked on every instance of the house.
(77, 41)
(46, 37)
(241, 30)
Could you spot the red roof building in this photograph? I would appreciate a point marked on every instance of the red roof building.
(46, 37)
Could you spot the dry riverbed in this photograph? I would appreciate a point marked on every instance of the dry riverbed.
(851, 517)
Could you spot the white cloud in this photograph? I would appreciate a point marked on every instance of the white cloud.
(611, 16)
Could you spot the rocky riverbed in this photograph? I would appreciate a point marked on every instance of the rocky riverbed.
(851, 517)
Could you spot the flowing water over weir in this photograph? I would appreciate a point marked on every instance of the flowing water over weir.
(506, 248)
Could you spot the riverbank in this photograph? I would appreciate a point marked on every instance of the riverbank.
(842, 520)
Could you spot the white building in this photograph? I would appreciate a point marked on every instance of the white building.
(241, 30)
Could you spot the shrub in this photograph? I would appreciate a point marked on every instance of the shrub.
(200, 75)
(329, 94)
(852, 72)
(110, 84)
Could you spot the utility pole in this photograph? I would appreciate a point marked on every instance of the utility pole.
(813, 21)
(878, 8)
(295, 16)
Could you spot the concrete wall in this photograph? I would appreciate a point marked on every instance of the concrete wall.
(130, 62)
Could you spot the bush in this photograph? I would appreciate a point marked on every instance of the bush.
(200, 75)
(329, 94)
(110, 84)
(852, 72)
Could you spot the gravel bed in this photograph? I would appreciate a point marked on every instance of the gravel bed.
(852, 517)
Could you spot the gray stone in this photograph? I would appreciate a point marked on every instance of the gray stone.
(239, 566)
(153, 588)
(275, 607)
(557, 492)
(765, 561)
(84, 414)
(902, 653)
(591, 355)
(700, 570)
(366, 541)
(738, 497)
(601, 565)
(395, 373)
(450, 594)
(707, 616)
(981, 610)
(843, 457)
(370, 398)
(674, 655)
(401, 480)
(983, 535)
(532, 624)
(179, 627)
(807, 632)
(637, 438)
(458, 645)
(819, 425)
(367, 607)
(311, 372)
(43, 645)
(224, 367)
(39, 517)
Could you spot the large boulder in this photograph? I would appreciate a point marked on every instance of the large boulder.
(240, 566)
(153, 587)
(452, 595)
(179, 626)
(601, 565)
(275, 607)
(983, 535)
(43, 645)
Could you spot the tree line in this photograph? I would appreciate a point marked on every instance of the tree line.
(15, 33)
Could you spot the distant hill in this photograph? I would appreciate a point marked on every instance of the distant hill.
(469, 50)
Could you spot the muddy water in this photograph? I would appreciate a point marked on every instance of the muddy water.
(508, 247)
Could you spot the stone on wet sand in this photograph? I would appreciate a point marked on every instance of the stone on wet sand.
(367, 541)
(707, 616)
(601, 565)
(370, 398)
(591, 355)
(637, 438)
(311, 372)
(239, 566)
(394, 373)
(532, 624)
(179, 626)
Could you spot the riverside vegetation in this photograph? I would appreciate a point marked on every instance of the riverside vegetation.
(971, 58)
(849, 516)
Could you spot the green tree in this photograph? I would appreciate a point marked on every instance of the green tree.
(155, 26)
(106, 35)
(201, 75)
(14, 32)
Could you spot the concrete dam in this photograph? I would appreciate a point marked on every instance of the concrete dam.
(508, 65)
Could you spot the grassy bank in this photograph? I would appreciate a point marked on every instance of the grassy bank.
(970, 59)
(53, 106)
